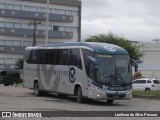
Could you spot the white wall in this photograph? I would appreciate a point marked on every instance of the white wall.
(150, 67)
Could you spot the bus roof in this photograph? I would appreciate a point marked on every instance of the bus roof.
(103, 48)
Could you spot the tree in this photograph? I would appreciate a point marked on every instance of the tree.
(111, 38)
(19, 64)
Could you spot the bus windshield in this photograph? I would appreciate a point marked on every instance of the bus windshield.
(114, 70)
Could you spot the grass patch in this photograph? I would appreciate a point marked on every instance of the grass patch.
(19, 85)
(148, 94)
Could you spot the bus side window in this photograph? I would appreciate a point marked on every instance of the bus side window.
(75, 58)
(91, 71)
(87, 53)
(28, 56)
(64, 57)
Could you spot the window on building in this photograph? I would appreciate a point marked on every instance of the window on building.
(40, 43)
(9, 6)
(27, 43)
(16, 43)
(69, 12)
(2, 42)
(62, 28)
(2, 60)
(41, 9)
(49, 27)
(26, 8)
(50, 10)
(2, 24)
(74, 29)
(9, 24)
(11, 60)
(32, 8)
(75, 13)
(68, 29)
(2, 5)
(40, 27)
(26, 25)
(9, 42)
(17, 25)
(17, 7)
(55, 28)
(71, 29)
(59, 11)
(31, 26)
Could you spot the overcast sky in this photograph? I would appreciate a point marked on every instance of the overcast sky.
(133, 19)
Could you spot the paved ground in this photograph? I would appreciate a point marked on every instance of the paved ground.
(22, 99)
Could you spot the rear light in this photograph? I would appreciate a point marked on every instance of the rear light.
(153, 85)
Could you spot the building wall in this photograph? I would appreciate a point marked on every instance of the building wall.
(150, 67)
(16, 25)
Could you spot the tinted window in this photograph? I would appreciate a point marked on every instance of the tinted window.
(149, 81)
(75, 58)
(28, 56)
(87, 53)
(139, 81)
(156, 81)
(54, 56)
(64, 57)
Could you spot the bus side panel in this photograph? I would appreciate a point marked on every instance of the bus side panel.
(50, 77)
(61, 78)
(75, 76)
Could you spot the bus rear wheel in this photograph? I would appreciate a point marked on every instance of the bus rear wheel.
(37, 92)
(79, 95)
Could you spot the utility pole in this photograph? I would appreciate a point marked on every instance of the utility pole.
(34, 30)
(47, 22)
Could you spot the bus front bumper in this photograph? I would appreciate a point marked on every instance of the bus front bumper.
(112, 95)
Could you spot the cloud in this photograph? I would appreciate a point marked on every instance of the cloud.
(134, 19)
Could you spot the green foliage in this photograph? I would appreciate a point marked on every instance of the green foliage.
(149, 94)
(111, 38)
(19, 64)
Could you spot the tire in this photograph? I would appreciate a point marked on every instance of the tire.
(147, 90)
(110, 101)
(79, 95)
(61, 95)
(6, 84)
(37, 92)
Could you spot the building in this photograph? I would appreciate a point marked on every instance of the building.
(150, 65)
(23, 21)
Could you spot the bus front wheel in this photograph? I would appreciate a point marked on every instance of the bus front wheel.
(110, 101)
(37, 92)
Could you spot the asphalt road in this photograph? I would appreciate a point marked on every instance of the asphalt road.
(23, 99)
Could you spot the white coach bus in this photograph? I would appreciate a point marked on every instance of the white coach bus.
(84, 69)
